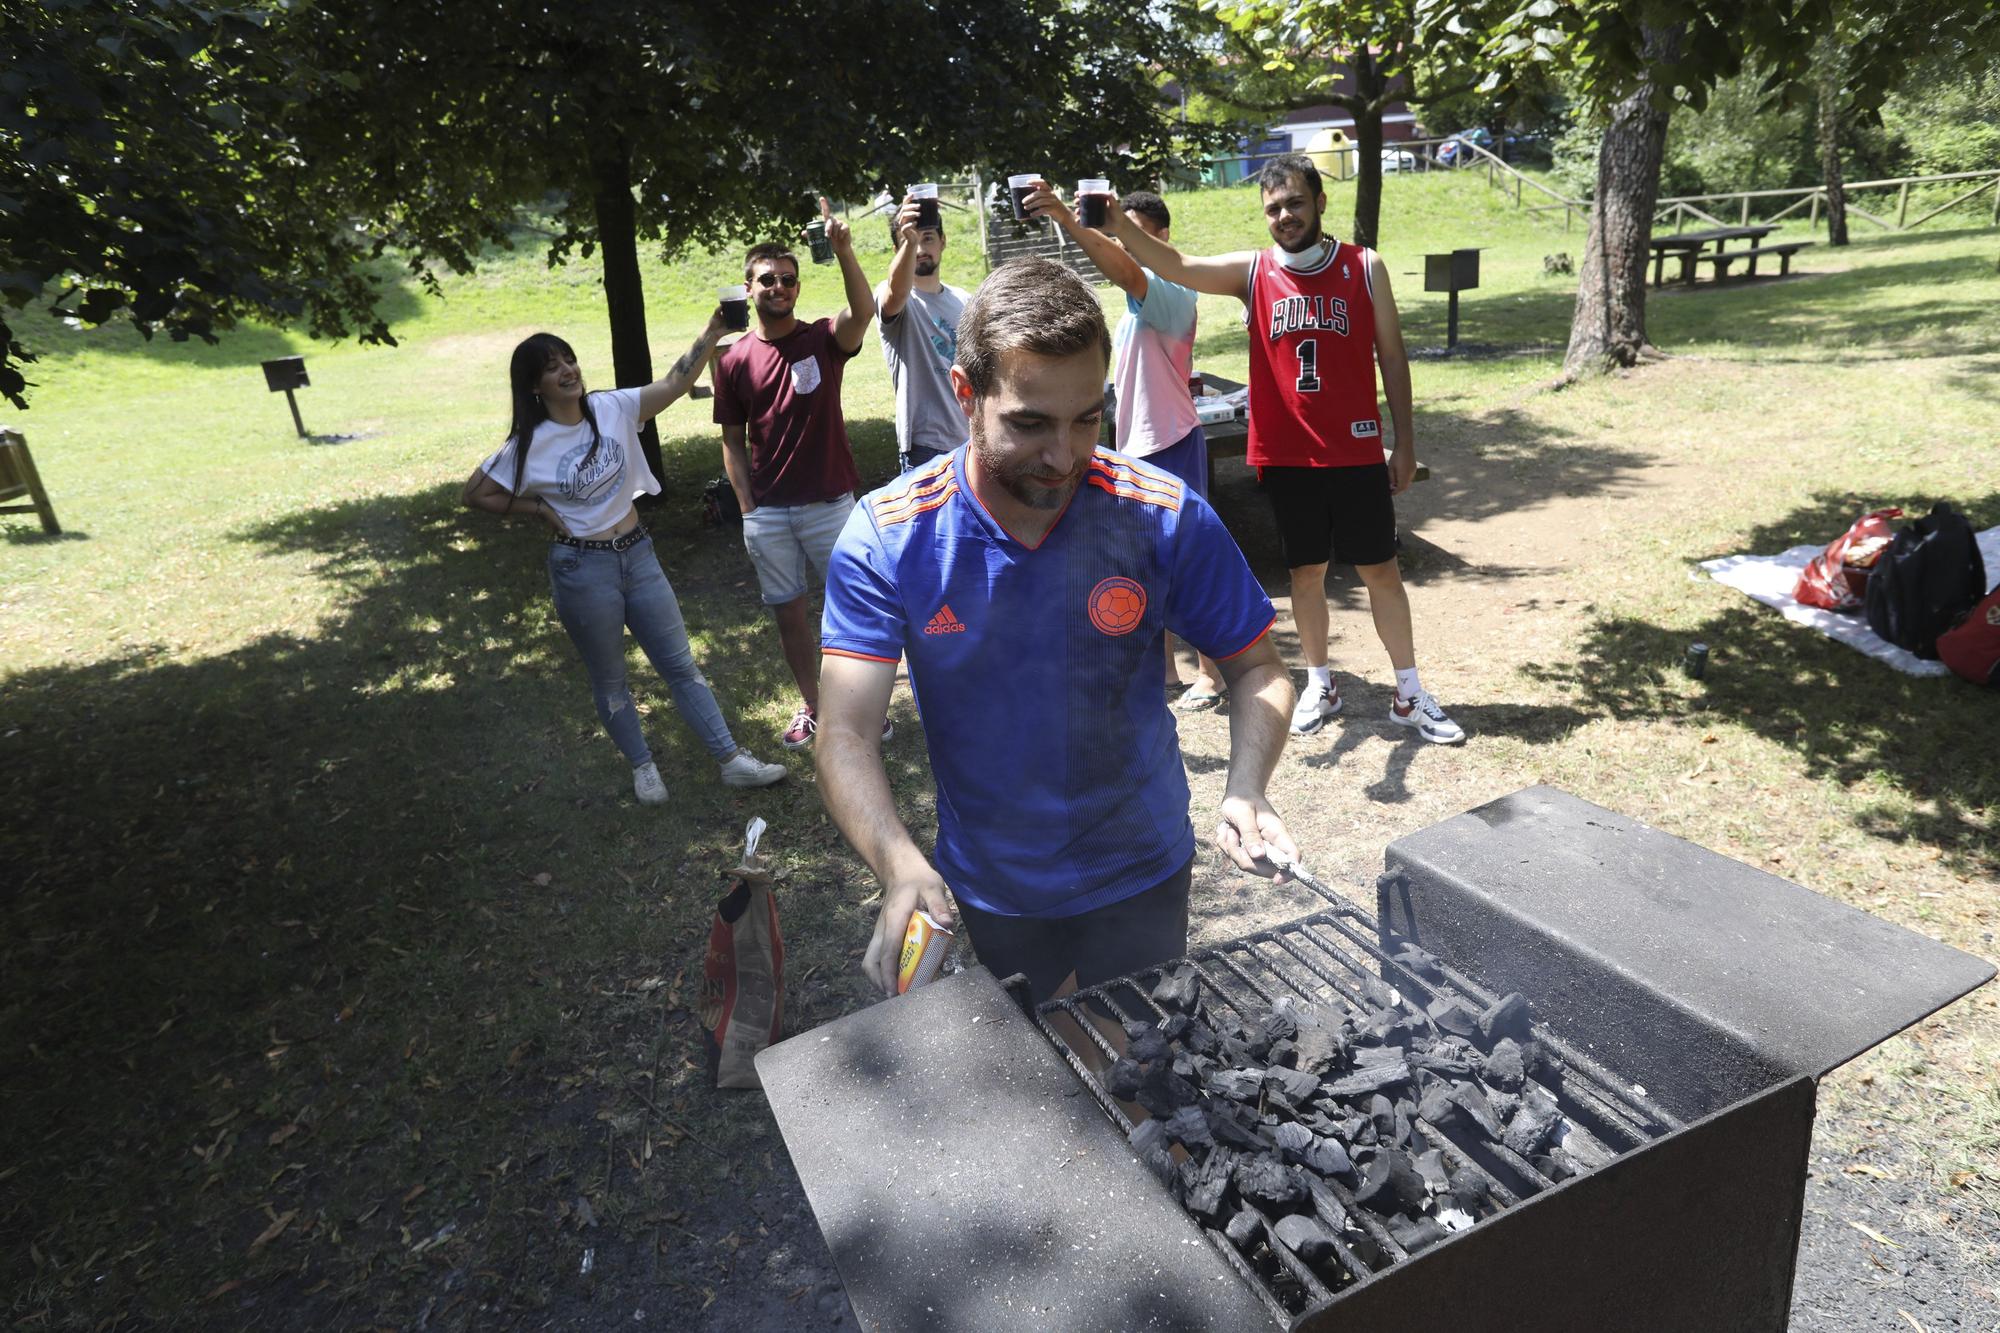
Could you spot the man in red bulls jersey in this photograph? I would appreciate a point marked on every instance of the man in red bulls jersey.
(1029, 577)
(1320, 318)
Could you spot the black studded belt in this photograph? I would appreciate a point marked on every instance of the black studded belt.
(620, 543)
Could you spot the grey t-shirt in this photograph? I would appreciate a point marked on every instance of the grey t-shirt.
(920, 342)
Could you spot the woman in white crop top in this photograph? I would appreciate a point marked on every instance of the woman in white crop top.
(572, 460)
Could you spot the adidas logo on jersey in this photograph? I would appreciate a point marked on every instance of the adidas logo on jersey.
(944, 622)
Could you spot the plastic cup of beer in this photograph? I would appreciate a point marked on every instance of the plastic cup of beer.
(735, 306)
(822, 248)
(926, 196)
(1020, 187)
(1093, 202)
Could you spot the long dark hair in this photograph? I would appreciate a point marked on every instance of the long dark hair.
(530, 360)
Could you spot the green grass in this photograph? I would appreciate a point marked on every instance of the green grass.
(331, 900)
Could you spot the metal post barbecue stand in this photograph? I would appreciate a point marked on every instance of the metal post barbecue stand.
(1564, 1080)
(1454, 272)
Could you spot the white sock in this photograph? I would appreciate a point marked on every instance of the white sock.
(1320, 676)
(1406, 683)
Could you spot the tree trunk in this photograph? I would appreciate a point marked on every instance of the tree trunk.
(1609, 327)
(624, 290)
(1366, 108)
(1828, 59)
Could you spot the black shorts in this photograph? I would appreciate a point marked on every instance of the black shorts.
(1099, 945)
(1332, 513)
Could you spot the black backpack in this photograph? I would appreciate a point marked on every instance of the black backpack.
(1926, 582)
(718, 503)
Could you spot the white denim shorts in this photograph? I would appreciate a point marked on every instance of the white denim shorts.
(788, 543)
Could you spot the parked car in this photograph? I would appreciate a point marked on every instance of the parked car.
(1398, 159)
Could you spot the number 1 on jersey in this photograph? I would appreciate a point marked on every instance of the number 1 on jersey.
(1308, 365)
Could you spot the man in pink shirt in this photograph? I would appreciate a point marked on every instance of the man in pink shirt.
(784, 443)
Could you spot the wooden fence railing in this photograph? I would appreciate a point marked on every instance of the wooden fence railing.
(1703, 208)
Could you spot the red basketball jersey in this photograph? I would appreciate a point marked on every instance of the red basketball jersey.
(1312, 362)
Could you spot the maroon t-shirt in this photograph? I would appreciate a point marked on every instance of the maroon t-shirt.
(788, 395)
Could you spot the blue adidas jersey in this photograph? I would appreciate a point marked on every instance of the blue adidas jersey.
(1037, 670)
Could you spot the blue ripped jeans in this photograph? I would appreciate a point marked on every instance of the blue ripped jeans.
(599, 593)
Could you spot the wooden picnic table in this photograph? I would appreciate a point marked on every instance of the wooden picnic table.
(1690, 244)
(1231, 439)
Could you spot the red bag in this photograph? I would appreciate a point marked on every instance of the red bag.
(743, 997)
(1973, 648)
(1837, 578)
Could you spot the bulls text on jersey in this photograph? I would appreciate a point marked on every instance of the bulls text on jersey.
(1294, 314)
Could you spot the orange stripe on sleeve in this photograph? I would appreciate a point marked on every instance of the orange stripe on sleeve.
(859, 657)
(1246, 647)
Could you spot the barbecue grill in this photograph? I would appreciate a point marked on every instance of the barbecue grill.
(1578, 1056)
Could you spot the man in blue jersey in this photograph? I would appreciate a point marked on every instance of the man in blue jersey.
(1028, 577)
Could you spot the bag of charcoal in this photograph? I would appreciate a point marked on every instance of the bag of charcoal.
(743, 998)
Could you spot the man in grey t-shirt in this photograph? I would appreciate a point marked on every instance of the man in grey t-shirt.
(920, 342)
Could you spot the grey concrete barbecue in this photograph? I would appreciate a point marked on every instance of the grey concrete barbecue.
(971, 1167)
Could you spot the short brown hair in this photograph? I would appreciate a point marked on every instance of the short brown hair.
(768, 250)
(1032, 305)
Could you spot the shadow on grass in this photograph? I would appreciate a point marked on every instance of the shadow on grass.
(32, 533)
(1487, 465)
(318, 921)
(1848, 717)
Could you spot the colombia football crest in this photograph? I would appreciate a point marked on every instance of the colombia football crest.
(1117, 605)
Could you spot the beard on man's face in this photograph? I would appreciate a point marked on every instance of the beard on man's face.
(927, 268)
(1017, 477)
(1310, 237)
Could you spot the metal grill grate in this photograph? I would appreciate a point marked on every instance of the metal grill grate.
(1330, 960)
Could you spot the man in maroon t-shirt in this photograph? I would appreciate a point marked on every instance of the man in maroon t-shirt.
(784, 443)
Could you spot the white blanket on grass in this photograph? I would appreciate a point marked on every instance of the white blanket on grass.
(1771, 578)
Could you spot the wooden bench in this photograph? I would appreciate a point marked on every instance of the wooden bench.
(1724, 258)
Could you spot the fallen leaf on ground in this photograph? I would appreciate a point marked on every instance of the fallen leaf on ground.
(1913, 1321)
(1960, 1179)
(224, 1289)
(1863, 1169)
(283, 1132)
(544, 879)
(414, 1192)
(275, 1230)
(1872, 1234)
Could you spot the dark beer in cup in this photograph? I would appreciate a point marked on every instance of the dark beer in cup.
(1020, 187)
(736, 307)
(1093, 202)
(927, 207)
(822, 248)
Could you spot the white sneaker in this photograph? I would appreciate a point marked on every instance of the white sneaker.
(647, 784)
(747, 770)
(1316, 704)
(1430, 721)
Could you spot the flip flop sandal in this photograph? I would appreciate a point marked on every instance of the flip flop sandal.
(1198, 701)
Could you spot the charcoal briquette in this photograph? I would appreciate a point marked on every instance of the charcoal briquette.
(1505, 1068)
(1382, 1112)
(1148, 1134)
(1122, 1080)
(1164, 1092)
(1198, 1037)
(1507, 1016)
(1184, 1065)
(1280, 1025)
(1440, 1061)
(1329, 1159)
(1534, 1124)
(1245, 1229)
(1284, 1053)
(1297, 1085)
(1372, 1077)
(1380, 1026)
(1205, 1185)
(1292, 1137)
(1390, 1183)
(1420, 961)
(1473, 1099)
(1189, 1127)
(1305, 1237)
(1320, 1049)
(1241, 1085)
(1234, 1127)
(1270, 1184)
(1378, 995)
(1414, 1234)
(1431, 1167)
(1453, 1016)
(1175, 1026)
(1178, 989)
(1148, 1045)
(1503, 1105)
(1468, 1189)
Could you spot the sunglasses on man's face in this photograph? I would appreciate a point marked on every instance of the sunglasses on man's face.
(785, 280)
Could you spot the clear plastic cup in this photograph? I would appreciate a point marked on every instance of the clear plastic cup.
(1020, 187)
(926, 196)
(735, 306)
(1093, 202)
